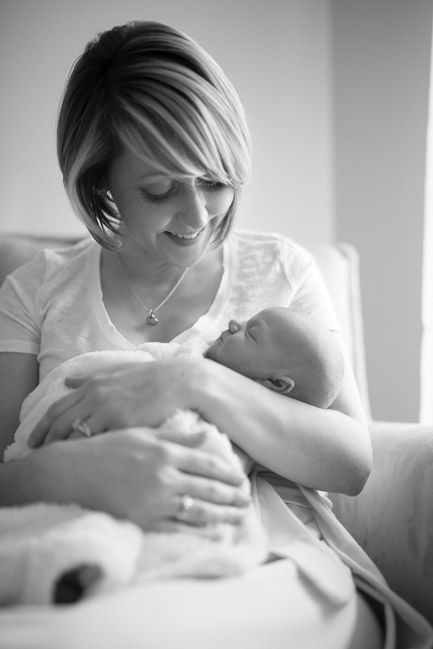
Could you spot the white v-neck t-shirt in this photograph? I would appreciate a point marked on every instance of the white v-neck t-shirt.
(53, 306)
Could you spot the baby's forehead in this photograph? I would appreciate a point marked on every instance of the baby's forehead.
(277, 317)
(285, 328)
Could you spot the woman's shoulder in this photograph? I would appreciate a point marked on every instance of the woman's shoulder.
(50, 268)
(66, 254)
(64, 262)
(58, 255)
(271, 246)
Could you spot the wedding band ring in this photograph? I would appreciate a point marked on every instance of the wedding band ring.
(82, 427)
(185, 506)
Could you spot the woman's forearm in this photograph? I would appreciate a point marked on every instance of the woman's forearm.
(323, 449)
(30, 480)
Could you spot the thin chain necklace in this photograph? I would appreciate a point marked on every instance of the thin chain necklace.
(151, 318)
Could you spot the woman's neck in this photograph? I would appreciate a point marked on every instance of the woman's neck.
(154, 276)
(152, 283)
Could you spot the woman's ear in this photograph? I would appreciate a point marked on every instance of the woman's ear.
(282, 384)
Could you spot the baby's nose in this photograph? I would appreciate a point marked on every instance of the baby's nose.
(234, 326)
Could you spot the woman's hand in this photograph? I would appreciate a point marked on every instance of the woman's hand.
(138, 475)
(130, 394)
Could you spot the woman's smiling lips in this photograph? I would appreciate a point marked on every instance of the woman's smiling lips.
(184, 238)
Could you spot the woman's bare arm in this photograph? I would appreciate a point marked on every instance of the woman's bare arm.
(19, 375)
(324, 449)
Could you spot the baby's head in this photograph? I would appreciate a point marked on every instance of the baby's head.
(285, 351)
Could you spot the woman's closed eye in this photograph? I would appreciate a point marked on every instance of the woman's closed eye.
(159, 194)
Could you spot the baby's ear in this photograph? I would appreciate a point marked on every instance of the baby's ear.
(282, 384)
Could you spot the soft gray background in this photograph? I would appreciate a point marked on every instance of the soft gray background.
(336, 95)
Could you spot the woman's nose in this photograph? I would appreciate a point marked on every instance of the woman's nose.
(194, 212)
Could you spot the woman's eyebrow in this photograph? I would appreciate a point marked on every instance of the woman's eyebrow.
(152, 176)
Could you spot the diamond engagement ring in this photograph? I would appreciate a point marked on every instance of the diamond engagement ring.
(82, 427)
(185, 505)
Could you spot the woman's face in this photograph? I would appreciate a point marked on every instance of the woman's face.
(172, 221)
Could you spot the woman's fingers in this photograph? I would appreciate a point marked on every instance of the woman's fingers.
(57, 422)
(207, 465)
(211, 532)
(215, 492)
(88, 428)
(66, 424)
(203, 513)
(75, 382)
(217, 489)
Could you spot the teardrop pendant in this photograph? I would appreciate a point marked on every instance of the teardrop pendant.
(151, 318)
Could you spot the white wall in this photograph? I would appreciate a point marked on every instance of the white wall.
(381, 79)
(277, 53)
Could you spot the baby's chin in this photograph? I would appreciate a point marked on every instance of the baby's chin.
(214, 348)
(212, 351)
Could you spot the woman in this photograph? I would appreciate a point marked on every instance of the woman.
(154, 150)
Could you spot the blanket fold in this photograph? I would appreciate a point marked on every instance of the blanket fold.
(43, 544)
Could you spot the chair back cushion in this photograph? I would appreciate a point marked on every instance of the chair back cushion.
(339, 264)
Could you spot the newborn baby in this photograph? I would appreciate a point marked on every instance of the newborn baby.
(287, 352)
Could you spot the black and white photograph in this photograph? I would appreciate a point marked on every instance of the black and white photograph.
(216, 324)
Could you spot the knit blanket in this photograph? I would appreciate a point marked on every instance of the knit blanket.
(53, 553)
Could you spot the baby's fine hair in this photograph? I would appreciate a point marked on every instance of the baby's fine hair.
(152, 89)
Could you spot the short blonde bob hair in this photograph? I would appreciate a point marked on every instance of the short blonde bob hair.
(150, 88)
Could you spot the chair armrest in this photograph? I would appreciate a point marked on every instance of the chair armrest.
(392, 519)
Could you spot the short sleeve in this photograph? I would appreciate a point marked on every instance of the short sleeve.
(20, 317)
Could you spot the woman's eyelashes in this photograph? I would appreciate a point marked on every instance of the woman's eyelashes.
(156, 196)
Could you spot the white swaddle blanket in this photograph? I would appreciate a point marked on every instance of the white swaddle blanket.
(45, 547)
(42, 546)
